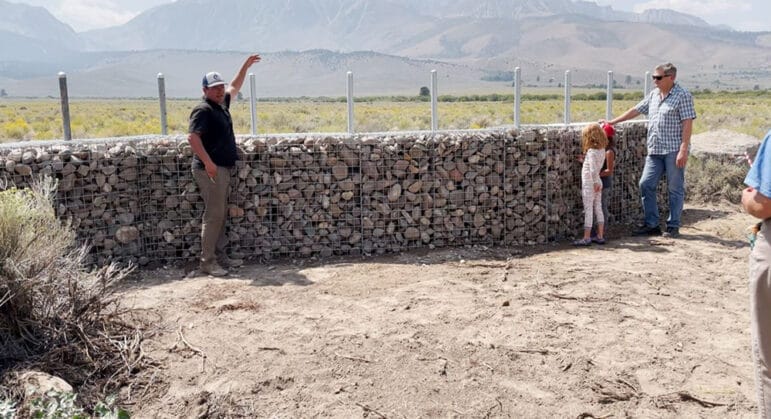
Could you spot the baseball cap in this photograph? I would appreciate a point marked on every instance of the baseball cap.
(609, 130)
(212, 79)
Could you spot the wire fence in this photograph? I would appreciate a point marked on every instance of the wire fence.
(350, 99)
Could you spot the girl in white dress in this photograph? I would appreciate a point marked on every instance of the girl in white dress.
(593, 142)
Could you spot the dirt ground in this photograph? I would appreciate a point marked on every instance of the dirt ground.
(640, 327)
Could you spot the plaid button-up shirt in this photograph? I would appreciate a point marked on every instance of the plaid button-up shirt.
(665, 117)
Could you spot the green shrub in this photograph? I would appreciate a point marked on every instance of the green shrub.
(63, 405)
(7, 409)
(56, 316)
(712, 180)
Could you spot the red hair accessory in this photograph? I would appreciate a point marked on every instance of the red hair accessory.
(609, 131)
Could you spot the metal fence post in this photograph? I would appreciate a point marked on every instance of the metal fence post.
(567, 97)
(517, 95)
(65, 106)
(253, 102)
(162, 100)
(349, 93)
(646, 84)
(609, 98)
(434, 96)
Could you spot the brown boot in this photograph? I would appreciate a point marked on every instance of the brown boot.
(227, 262)
(212, 268)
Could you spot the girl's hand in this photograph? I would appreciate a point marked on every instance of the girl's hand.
(580, 158)
(597, 187)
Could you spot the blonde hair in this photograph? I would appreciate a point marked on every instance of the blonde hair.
(592, 136)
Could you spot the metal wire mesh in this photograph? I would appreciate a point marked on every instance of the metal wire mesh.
(314, 201)
(319, 195)
(170, 209)
(469, 190)
(625, 203)
(396, 198)
(526, 188)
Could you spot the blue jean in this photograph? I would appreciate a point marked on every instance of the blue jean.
(655, 166)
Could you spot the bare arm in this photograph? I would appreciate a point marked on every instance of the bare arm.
(197, 145)
(609, 161)
(238, 79)
(631, 113)
(682, 154)
(756, 204)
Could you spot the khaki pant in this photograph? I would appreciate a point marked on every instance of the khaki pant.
(215, 198)
(760, 315)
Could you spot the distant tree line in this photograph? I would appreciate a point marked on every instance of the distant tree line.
(425, 96)
(499, 76)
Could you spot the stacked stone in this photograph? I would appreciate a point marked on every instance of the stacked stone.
(397, 199)
(469, 191)
(314, 185)
(527, 189)
(563, 182)
(98, 191)
(324, 195)
(625, 201)
(171, 206)
(251, 202)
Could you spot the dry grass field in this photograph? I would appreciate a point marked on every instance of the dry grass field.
(40, 119)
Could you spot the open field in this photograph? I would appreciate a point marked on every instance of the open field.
(40, 119)
(639, 327)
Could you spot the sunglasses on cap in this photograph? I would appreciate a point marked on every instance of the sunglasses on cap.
(659, 77)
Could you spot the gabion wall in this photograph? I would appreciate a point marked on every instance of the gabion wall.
(316, 195)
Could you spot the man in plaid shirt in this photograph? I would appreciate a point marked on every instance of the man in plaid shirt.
(670, 121)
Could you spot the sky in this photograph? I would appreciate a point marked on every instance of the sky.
(745, 15)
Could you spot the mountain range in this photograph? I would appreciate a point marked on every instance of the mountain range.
(390, 45)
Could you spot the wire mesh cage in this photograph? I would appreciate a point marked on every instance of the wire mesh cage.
(320, 195)
(396, 195)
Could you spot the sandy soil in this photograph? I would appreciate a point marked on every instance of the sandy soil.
(640, 327)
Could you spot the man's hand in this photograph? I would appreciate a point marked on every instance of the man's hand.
(211, 170)
(682, 155)
(238, 79)
(254, 58)
(682, 158)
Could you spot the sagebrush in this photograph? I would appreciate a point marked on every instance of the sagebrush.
(712, 180)
(57, 315)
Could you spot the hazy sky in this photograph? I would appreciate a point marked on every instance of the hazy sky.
(747, 15)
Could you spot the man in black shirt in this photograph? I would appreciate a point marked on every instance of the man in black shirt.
(214, 144)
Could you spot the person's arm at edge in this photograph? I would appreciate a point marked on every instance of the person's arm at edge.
(682, 154)
(756, 204)
(610, 156)
(238, 79)
(197, 145)
(631, 113)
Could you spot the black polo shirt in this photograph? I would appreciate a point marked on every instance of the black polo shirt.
(212, 122)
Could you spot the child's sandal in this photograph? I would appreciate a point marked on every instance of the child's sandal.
(583, 242)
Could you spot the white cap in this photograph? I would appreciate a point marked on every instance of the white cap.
(212, 79)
